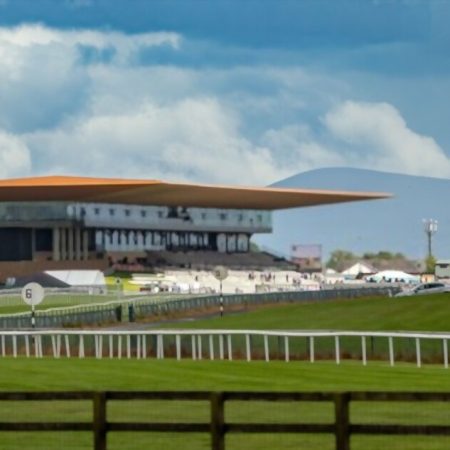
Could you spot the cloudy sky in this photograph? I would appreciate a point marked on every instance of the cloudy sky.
(227, 91)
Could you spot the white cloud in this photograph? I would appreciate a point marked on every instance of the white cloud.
(14, 156)
(196, 139)
(34, 35)
(382, 140)
(296, 145)
(238, 124)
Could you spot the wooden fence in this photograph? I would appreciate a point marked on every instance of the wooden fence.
(342, 427)
(216, 344)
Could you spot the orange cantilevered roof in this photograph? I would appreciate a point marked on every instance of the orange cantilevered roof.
(155, 192)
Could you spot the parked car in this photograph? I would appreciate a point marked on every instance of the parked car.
(426, 288)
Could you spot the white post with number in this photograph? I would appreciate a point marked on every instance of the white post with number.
(33, 294)
(220, 273)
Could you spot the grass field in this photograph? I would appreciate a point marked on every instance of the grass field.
(426, 313)
(421, 313)
(23, 374)
(14, 304)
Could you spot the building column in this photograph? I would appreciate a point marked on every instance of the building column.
(85, 238)
(56, 241)
(123, 240)
(63, 244)
(131, 240)
(99, 246)
(77, 244)
(140, 240)
(114, 240)
(33, 243)
(70, 242)
(106, 240)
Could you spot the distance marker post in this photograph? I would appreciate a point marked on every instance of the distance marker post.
(33, 294)
(221, 273)
(221, 299)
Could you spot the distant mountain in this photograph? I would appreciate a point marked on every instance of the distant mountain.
(392, 224)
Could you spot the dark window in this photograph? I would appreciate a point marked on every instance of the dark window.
(111, 212)
(160, 214)
(83, 212)
(15, 244)
(172, 213)
(203, 216)
(44, 240)
(143, 213)
(222, 216)
(96, 211)
(127, 213)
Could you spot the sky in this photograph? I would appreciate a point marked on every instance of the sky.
(228, 91)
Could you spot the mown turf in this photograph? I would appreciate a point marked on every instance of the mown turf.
(89, 374)
(15, 304)
(426, 313)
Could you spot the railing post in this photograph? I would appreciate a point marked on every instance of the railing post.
(445, 350)
(81, 346)
(342, 418)
(391, 350)
(221, 351)
(199, 347)
(111, 346)
(286, 348)
(178, 346)
(193, 348)
(67, 345)
(100, 421)
(418, 355)
(217, 421)
(211, 347)
(363, 350)
(229, 348)
(337, 350)
(14, 344)
(248, 350)
(266, 348)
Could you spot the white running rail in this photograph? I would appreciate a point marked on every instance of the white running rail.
(202, 344)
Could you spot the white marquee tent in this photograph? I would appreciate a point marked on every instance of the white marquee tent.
(86, 278)
(392, 276)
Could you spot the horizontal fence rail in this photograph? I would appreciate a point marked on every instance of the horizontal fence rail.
(128, 309)
(267, 345)
(343, 425)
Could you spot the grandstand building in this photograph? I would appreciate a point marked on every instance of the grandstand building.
(61, 222)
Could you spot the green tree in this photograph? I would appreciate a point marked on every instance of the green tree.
(340, 258)
(430, 262)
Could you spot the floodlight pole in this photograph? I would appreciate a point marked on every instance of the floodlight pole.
(430, 227)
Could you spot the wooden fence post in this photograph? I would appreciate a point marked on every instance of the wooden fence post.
(99, 421)
(217, 421)
(342, 418)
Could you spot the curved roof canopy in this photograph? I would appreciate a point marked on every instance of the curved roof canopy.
(155, 192)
